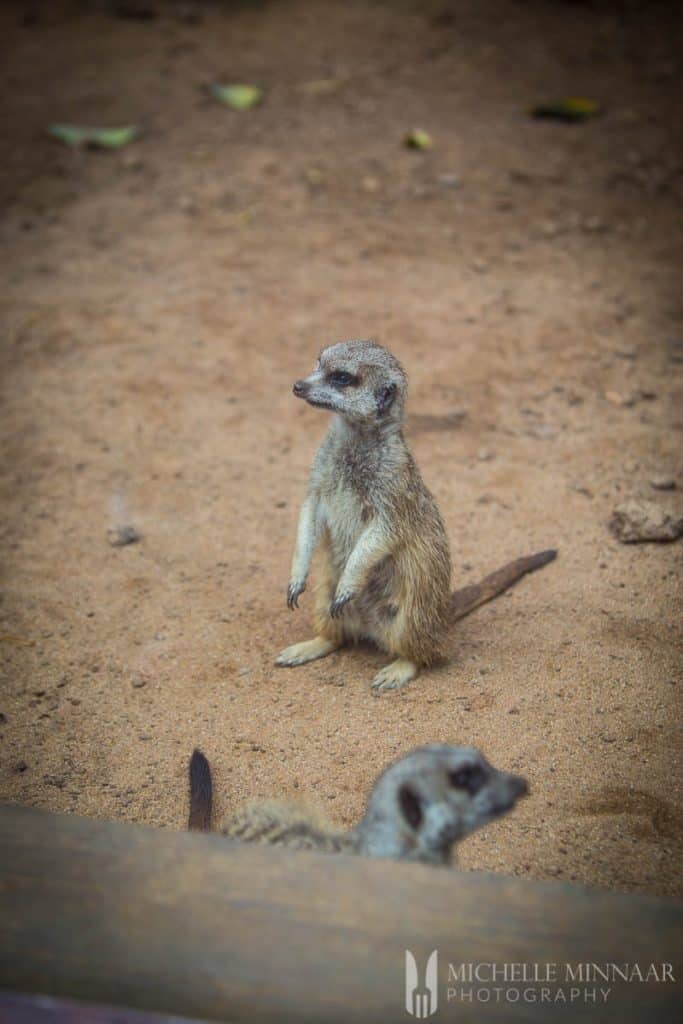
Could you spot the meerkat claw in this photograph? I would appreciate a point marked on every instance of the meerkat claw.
(294, 591)
(394, 676)
(338, 605)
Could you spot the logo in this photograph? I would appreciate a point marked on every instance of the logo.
(422, 1001)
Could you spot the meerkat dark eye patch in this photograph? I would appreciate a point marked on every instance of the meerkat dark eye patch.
(385, 398)
(411, 809)
(470, 778)
(341, 379)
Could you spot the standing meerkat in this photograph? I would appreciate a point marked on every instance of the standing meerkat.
(386, 566)
(419, 807)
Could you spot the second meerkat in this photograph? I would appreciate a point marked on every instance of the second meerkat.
(386, 565)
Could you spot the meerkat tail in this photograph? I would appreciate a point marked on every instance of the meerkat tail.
(466, 599)
(201, 796)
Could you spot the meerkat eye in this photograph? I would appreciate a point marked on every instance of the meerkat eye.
(341, 379)
(409, 803)
(469, 778)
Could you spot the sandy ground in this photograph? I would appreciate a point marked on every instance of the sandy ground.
(159, 301)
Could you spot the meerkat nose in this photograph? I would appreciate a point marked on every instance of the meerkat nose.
(519, 785)
(300, 388)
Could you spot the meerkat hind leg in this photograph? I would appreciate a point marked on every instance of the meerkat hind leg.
(395, 675)
(307, 650)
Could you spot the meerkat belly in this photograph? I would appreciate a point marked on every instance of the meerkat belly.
(344, 519)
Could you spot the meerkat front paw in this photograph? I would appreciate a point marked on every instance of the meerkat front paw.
(294, 592)
(339, 603)
(394, 676)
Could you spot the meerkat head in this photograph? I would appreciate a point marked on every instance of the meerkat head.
(433, 797)
(360, 380)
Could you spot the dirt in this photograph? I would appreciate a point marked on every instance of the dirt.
(160, 300)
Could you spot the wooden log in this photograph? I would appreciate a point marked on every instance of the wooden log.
(197, 926)
(20, 1008)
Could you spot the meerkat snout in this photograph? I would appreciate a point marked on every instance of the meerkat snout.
(496, 798)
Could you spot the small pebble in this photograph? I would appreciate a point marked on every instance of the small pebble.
(449, 180)
(593, 225)
(625, 353)
(637, 521)
(663, 483)
(370, 184)
(119, 536)
(542, 431)
(550, 228)
(133, 162)
(621, 400)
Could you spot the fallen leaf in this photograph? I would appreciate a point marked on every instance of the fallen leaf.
(418, 139)
(99, 138)
(314, 176)
(239, 97)
(570, 108)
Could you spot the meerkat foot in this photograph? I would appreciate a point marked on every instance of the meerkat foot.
(308, 650)
(395, 676)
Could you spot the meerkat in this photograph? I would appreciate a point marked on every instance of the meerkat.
(385, 566)
(419, 808)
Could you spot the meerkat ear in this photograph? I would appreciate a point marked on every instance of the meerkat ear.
(409, 803)
(385, 398)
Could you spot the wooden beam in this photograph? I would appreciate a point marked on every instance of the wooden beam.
(196, 926)
(20, 1008)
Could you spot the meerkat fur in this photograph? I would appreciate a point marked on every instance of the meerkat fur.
(384, 556)
(419, 808)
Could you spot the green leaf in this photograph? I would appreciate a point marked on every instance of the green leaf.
(101, 138)
(418, 139)
(570, 108)
(240, 97)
